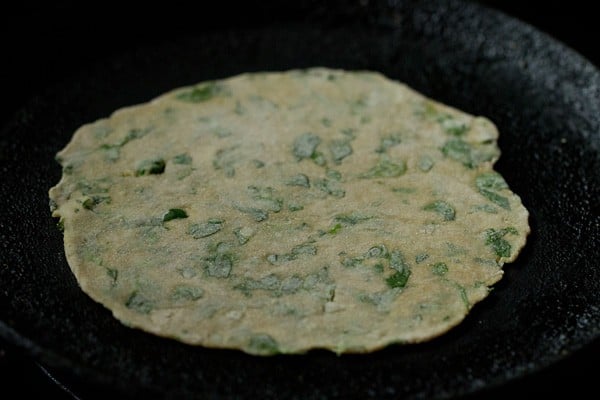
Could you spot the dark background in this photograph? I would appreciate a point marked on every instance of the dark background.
(43, 45)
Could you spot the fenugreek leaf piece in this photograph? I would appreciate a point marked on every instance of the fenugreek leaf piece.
(174, 213)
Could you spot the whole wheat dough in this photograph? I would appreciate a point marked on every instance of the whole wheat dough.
(284, 211)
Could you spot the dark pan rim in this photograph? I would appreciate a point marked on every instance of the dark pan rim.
(583, 324)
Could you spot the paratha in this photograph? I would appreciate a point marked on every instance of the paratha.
(279, 212)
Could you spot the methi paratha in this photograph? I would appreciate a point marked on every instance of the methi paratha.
(279, 212)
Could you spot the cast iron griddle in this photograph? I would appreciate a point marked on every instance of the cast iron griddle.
(543, 97)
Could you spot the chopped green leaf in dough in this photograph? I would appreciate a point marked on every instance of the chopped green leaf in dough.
(445, 210)
(200, 93)
(305, 145)
(386, 169)
(495, 239)
(150, 167)
(204, 229)
(174, 213)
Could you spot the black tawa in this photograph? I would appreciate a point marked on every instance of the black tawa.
(544, 98)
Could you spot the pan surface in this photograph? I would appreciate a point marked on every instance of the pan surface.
(543, 97)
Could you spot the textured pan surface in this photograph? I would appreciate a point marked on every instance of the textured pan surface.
(543, 98)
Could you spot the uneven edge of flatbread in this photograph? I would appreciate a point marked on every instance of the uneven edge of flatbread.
(125, 316)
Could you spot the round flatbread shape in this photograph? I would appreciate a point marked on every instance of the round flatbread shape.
(284, 211)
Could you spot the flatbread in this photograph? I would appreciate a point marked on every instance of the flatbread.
(285, 211)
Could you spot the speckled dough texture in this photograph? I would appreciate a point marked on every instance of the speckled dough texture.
(284, 211)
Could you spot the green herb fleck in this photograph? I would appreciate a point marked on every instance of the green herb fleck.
(388, 141)
(454, 250)
(258, 214)
(485, 208)
(351, 262)
(459, 150)
(68, 169)
(225, 160)
(397, 261)
(276, 259)
(491, 181)
(326, 122)
(330, 187)
(270, 283)
(91, 202)
(266, 197)
(427, 109)
(452, 126)
(333, 174)
(340, 149)
(88, 203)
(139, 303)
(304, 249)
(174, 213)
(382, 300)
(298, 250)
(439, 268)
(386, 169)
(184, 173)
(295, 207)
(96, 186)
(405, 190)
(305, 145)
(244, 234)
(219, 265)
(91, 252)
(470, 155)
(488, 184)
(357, 106)
(350, 133)
(495, 239)
(184, 293)
(263, 344)
(112, 151)
(200, 93)
(335, 229)
(379, 267)
(398, 279)
(426, 163)
(205, 229)
(496, 198)
(379, 251)
(135, 133)
(299, 180)
(445, 210)
(101, 131)
(351, 219)
(258, 164)
(188, 272)
(150, 167)
(221, 132)
(318, 158)
(183, 158)
(291, 284)
(113, 274)
(314, 279)
(419, 258)
(464, 297)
